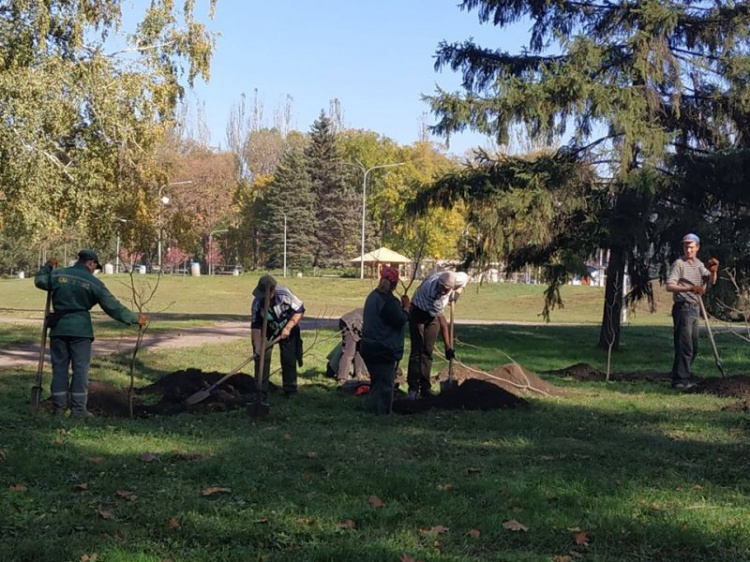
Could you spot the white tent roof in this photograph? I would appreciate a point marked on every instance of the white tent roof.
(382, 255)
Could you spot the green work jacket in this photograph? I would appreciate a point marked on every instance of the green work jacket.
(75, 290)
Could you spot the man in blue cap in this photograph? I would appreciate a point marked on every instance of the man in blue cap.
(687, 282)
(75, 291)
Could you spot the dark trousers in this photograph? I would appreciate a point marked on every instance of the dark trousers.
(423, 331)
(67, 351)
(686, 318)
(290, 350)
(382, 381)
(349, 354)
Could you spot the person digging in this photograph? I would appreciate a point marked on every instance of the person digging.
(74, 291)
(426, 319)
(687, 281)
(284, 313)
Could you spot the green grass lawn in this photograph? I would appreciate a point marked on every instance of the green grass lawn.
(183, 301)
(632, 471)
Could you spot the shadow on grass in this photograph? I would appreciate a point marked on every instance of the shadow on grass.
(654, 477)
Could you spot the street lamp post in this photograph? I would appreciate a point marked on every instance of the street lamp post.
(164, 200)
(210, 234)
(364, 207)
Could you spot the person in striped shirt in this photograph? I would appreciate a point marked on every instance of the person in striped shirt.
(284, 314)
(687, 281)
(426, 320)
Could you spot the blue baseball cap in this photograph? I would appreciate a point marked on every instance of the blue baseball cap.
(691, 238)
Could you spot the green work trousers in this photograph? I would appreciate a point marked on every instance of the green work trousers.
(66, 352)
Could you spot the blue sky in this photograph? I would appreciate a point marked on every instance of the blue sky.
(375, 57)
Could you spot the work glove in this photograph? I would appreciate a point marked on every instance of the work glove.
(450, 353)
(713, 265)
(405, 302)
(53, 262)
(698, 289)
(142, 319)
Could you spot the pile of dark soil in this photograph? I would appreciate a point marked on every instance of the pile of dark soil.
(583, 372)
(735, 386)
(171, 391)
(471, 394)
(511, 377)
(474, 389)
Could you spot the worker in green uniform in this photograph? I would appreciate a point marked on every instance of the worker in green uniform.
(74, 291)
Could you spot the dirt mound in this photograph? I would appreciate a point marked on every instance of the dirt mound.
(583, 372)
(511, 377)
(735, 386)
(471, 394)
(172, 390)
(579, 372)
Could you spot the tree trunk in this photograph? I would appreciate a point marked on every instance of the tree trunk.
(610, 330)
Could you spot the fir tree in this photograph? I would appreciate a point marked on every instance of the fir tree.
(335, 213)
(639, 80)
(289, 193)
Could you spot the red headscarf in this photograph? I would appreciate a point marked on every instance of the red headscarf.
(389, 274)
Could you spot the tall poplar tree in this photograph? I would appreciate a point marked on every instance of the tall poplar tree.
(631, 82)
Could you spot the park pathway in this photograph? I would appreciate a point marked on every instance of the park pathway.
(221, 332)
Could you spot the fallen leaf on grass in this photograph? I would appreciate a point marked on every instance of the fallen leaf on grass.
(173, 523)
(311, 454)
(211, 490)
(514, 525)
(445, 487)
(561, 558)
(58, 440)
(574, 554)
(409, 558)
(17, 488)
(305, 520)
(581, 538)
(287, 436)
(474, 533)
(375, 501)
(434, 531)
(96, 459)
(148, 457)
(104, 514)
(347, 524)
(82, 486)
(127, 494)
(2, 454)
(89, 557)
(261, 520)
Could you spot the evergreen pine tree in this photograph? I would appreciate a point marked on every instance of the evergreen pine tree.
(289, 193)
(335, 214)
(639, 80)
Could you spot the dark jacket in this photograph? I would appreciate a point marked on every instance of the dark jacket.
(75, 291)
(383, 327)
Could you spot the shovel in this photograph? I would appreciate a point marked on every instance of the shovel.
(201, 395)
(36, 390)
(711, 337)
(450, 384)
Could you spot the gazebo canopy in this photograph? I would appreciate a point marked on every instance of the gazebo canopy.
(382, 255)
